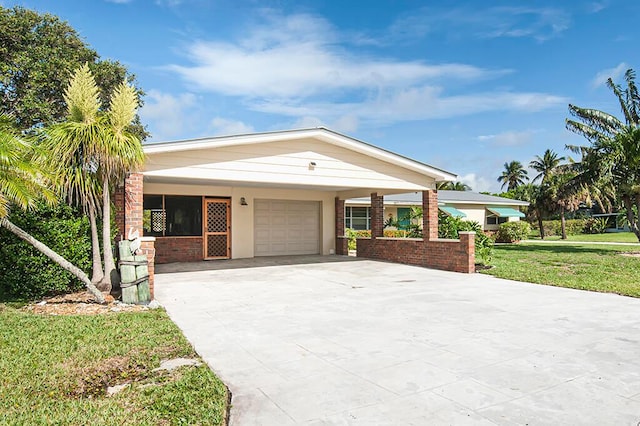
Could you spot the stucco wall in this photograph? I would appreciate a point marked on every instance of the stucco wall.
(242, 223)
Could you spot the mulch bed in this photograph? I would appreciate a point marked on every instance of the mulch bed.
(81, 303)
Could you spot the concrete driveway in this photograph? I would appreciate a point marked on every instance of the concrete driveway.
(373, 343)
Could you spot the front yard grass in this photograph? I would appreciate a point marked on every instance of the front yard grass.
(55, 370)
(588, 267)
(609, 237)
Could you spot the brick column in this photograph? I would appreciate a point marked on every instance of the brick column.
(342, 244)
(339, 217)
(468, 242)
(430, 215)
(377, 215)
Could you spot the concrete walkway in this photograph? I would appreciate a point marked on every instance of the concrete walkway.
(372, 343)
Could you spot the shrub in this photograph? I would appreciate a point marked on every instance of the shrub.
(511, 232)
(24, 271)
(594, 225)
(449, 227)
(554, 227)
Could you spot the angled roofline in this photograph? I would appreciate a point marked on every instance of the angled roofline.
(320, 133)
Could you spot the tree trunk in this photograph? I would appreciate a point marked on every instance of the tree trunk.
(631, 218)
(97, 274)
(109, 264)
(563, 224)
(64, 263)
(540, 225)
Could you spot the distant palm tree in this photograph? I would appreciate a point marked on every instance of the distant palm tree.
(545, 165)
(513, 175)
(22, 182)
(453, 186)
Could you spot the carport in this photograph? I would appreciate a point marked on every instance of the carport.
(274, 194)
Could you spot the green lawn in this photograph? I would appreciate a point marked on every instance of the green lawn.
(55, 369)
(588, 267)
(613, 237)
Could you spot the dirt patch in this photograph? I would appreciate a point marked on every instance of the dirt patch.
(93, 381)
(81, 303)
(630, 254)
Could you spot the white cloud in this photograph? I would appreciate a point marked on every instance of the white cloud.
(615, 73)
(224, 126)
(299, 66)
(477, 183)
(510, 138)
(168, 115)
(597, 6)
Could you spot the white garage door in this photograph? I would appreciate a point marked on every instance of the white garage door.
(286, 227)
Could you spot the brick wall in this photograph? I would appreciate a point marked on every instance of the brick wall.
(178, 249)
(447, 255)
(342, 246)
(148, 249)
(430, 251)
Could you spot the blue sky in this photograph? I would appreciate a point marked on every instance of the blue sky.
(464, 86)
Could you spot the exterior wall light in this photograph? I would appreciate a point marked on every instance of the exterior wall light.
(312, 165)
(243, 201)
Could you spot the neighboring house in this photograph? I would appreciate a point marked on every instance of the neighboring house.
(262, 194)
(488, 210)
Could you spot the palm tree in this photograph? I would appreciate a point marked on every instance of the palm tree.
(69, 145)
(559, 195)
(612, 160)
(513, 175)
(21, 184)
(545, 165)
(453, 186)
(118, 151)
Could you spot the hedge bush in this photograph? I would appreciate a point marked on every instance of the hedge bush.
(511, 232)
(24, 271)
(572, 226)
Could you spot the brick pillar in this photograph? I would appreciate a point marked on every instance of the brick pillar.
(129, 211)
(467, 240)
(430, 214)
(133, 199)
(377, 215)
(342, 243)
(339, 217)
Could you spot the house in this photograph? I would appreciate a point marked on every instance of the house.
(276, 193)
(488, 210)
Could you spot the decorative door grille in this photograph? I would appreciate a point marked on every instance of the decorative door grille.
(217, 229)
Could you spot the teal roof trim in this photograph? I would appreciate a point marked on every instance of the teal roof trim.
(505, 212)
(452, 211)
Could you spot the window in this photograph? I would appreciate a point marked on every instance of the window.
(172, 215)
(495, 220)
(358, 218)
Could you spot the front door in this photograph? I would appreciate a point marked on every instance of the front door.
(217, 228)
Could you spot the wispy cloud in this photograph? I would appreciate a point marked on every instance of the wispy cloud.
(300, 66)
(597, 6)
(614, 73)
(509, 138)
(515, 22)
(225, 126)
(169, 115)
(118, 1)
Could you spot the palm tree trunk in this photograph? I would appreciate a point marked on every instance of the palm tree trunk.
(97, 273)
(64, 263)
(540, 225)
(109, 264)
(633, 222)
(563, 224)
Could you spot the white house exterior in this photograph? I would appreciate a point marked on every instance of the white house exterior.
(264, 194)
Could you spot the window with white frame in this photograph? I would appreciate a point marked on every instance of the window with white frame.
(358, 218)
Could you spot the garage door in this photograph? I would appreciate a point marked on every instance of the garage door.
(286, 227)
